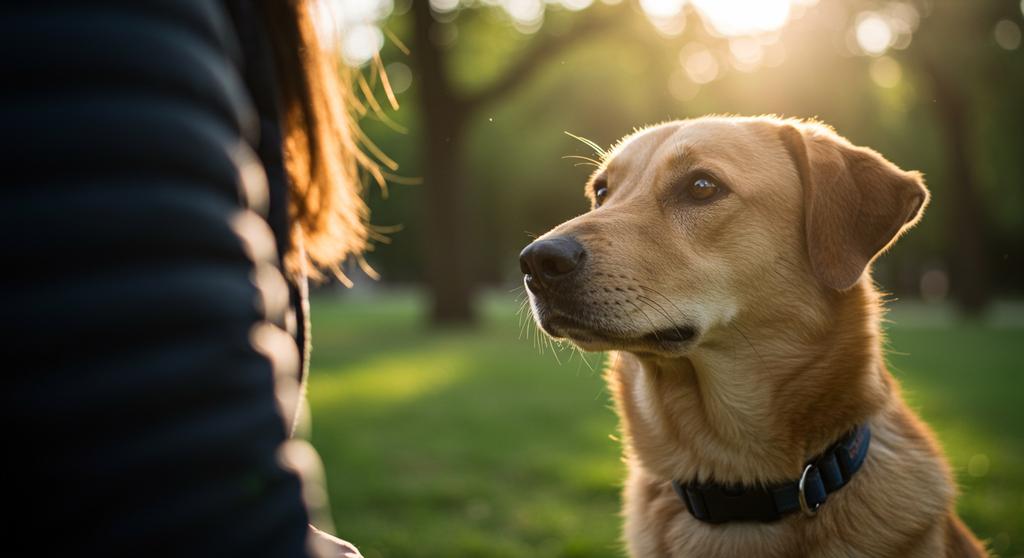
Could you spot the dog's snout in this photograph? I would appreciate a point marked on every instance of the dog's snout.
(551, 259)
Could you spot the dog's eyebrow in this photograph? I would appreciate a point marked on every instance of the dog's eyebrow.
(683, 157)
(683, 152)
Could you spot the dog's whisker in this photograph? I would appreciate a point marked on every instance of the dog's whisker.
(554, 351)
(583, 357)
(589, 143)
(747, 339)
(587, 160)
(644, 314)
(661, 309)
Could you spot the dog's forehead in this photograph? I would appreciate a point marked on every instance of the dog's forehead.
(638, 150)
(722, 137)
(716, 134)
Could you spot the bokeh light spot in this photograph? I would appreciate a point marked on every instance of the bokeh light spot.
(399, 76)
(661, 9)
(699, 62)
(978, 465)
(747, 53)
(576, 5)
(873, 33)
(351, 27)
(444, 6)
(666, 15)
(527, 15)
(886, 72)
(1007, 34)
(360, 43)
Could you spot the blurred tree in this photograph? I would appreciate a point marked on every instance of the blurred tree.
(955, 55)
(446, 112)
(882, 71)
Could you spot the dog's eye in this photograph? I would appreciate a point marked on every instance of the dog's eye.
(600, 193)
(702, 188)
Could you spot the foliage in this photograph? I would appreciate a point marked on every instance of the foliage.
(606, 84)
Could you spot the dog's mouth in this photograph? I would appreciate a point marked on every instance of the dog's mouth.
(584, 333)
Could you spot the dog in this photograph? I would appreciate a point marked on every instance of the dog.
(726, 264)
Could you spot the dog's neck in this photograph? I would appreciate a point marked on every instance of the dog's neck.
(758, 398)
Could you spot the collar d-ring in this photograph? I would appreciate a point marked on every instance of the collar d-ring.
(802, 494)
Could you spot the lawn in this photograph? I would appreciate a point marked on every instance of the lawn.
(477, 443)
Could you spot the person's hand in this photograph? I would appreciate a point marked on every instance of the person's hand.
(326, 544)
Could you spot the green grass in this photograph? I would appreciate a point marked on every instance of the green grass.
(473, 443)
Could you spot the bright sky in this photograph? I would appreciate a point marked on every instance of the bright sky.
(361, 36)
(355, 24)
(728, 17)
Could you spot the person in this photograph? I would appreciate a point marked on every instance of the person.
(175, 171)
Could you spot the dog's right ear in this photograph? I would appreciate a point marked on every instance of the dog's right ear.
(856, 203)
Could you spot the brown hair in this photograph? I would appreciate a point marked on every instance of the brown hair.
(322, 159)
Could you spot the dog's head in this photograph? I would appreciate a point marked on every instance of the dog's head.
(694, 223)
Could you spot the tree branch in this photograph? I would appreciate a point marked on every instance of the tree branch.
(536, 55)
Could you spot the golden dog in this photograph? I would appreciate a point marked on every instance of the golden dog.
(726, 263)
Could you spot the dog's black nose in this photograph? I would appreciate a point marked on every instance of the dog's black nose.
(551, 259)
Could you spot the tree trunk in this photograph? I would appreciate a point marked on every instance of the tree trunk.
(450, 276)
(970, 277)
(451, 273)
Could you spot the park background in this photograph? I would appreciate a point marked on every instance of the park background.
(449, 428)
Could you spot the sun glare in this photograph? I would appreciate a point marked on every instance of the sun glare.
(744, 17)
(729, 17)
(662, 9)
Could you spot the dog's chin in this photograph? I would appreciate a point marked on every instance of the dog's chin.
(669, 342)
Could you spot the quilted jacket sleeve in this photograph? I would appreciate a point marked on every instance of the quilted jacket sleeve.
(147, 367)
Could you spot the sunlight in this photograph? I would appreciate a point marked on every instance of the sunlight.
(662, 9)
(527, 15)
(352, 27)
(728, 17)
(389, 380)
(744, 17)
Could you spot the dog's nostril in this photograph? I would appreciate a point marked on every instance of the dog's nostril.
(524, 265)
(551, 258)
(557, 266)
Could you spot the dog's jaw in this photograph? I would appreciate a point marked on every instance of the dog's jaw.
(595, 332)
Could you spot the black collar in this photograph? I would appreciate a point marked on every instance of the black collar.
(823, 475)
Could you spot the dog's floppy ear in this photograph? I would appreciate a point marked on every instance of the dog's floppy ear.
(855, 202)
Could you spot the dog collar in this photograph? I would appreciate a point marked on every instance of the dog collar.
(823, 475)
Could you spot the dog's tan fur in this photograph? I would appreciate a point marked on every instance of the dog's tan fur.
(775, 279)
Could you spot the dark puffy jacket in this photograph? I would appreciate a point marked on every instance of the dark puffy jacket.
(151, 343)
